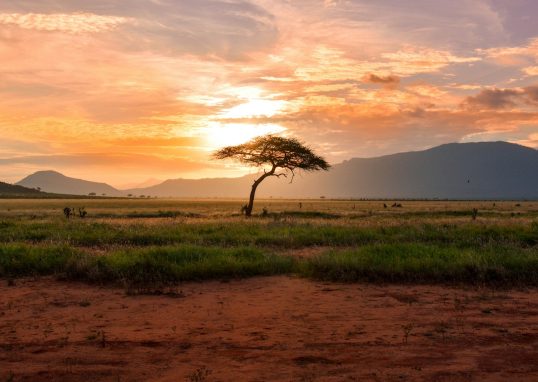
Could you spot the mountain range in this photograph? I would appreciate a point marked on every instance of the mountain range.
(484, 170)
(11, 190)
(54, 182)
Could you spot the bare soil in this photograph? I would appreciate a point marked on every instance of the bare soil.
(266, 329)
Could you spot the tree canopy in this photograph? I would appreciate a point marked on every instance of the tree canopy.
(278, 152)
(273, 153)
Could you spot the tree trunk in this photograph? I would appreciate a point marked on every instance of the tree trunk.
(250, 206)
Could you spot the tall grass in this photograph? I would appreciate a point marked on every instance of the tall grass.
(183, 263)
(24, 260)
(425, 263)
(377, 262)
(288, 234)
(146, 265)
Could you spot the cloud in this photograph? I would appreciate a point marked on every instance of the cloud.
(61, 22)
(9, 147)
(502, 98)
(463, 23)
(519, 18)
(381, 79)
(493, 99)
(153, 142)
(530, 141)
(388, 81)
(531, 92)
(119, 160)
(219, 28)
(513, 55)
(413, 60)
(531, 70)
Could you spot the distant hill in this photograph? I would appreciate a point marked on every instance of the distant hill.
(10, 190)
(199, 188)
(147, 183)
(488, 170)
(54, 182)
(485, 170)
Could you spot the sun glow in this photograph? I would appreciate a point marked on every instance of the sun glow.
(223, 130)
(254, 103)
(228, 134)
(255, 108)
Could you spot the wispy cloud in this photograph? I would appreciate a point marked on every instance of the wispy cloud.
(61, 22)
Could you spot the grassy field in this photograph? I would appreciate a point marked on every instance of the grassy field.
(165, 241)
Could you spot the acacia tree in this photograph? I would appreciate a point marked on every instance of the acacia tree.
(277, 156)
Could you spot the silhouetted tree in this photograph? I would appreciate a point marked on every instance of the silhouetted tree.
(273, 154)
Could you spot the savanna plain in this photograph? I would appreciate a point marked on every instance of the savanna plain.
(304, 290)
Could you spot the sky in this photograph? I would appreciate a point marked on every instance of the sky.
(122, 91)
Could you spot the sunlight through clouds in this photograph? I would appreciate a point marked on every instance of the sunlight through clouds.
(254, 108)
(354, 78)
(219, 134)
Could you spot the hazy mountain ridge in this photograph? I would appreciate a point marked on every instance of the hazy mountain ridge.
(453, 171)
(54, 182)
(7, 189)
(485, 170)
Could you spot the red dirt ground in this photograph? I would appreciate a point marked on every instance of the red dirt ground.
(267, 329)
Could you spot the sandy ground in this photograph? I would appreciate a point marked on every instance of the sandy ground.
(267, 329)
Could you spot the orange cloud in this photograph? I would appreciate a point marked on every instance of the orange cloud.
(61, 22)
(503, 98)
(531, 70)
(413, 60)
(389, 80)
(513, 55)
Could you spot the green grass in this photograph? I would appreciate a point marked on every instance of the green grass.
(426, 263)
(148, 215)
(306, 214)
(17, 260)
(144, 266)
(185, 263)
(377, 263)
(168, 241)
(287, 234)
